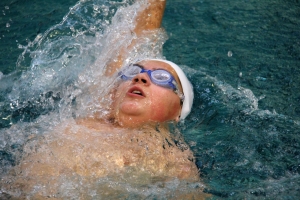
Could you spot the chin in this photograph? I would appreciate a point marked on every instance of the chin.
(131, 108)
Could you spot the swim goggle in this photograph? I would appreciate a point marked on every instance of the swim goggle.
(159, 77)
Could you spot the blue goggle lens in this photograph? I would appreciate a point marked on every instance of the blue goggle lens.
(161, 75)
(132, 71)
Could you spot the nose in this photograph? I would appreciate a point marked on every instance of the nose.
(142, 78)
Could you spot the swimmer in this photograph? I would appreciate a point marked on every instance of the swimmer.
(135, 139)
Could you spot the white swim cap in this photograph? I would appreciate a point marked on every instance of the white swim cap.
(186, 87)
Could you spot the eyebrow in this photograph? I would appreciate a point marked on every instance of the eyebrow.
(141, 66)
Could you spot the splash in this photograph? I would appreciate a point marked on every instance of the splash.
(60, 76)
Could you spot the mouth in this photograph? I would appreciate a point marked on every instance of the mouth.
(136, 91)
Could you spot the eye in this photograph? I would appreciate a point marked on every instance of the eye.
(161, 75)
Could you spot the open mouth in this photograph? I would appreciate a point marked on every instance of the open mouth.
(136, 91)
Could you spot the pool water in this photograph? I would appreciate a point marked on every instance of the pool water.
(242, 57)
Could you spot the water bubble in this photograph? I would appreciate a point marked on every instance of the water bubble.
(6, 7)
(7, 25)
(72, 28)
(229, 54)
(96, 8)
(259, 78)
(261, 97)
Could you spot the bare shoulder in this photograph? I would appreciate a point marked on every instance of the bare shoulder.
(93, 148)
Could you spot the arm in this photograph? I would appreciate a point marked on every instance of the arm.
(149, 18)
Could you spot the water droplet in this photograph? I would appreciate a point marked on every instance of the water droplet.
(72, 28)
(259, 78)
(229, 54)
(96, 8)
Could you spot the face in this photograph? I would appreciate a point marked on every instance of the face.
(140, 101)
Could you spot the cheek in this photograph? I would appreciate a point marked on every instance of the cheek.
(119, 94)
(121, 91)
(165, 106)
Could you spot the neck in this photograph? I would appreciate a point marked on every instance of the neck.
(132, 123)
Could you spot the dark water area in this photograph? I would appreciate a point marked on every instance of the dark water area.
(262, 36)
(248, 143)
(243, 58)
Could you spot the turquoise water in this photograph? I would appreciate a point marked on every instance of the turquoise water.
(243, 60)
